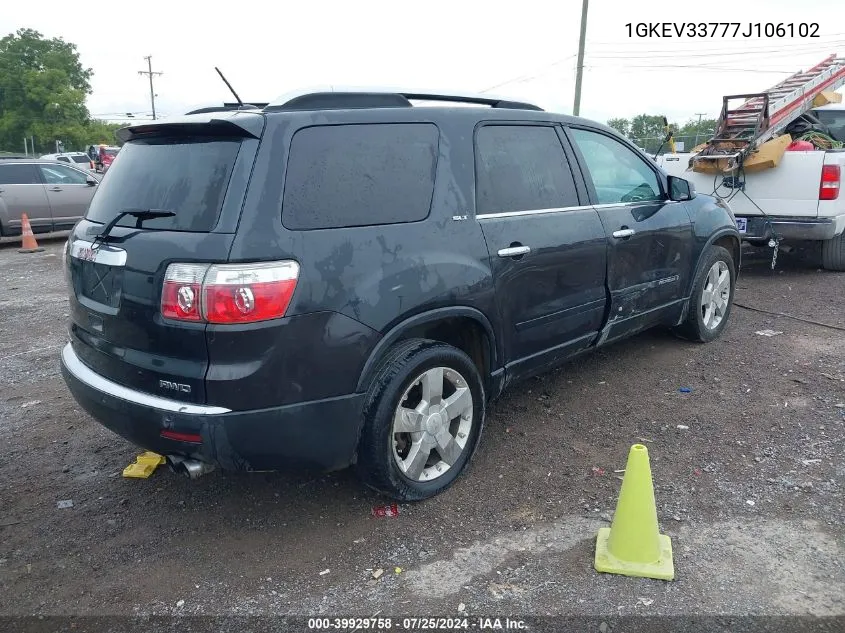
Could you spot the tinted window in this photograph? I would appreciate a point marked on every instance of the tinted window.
(618, 173)
(357, 175)
(521, 168)
(61, 175)
(18, 175)
(186, 176)
(64, 159)
(80, 159)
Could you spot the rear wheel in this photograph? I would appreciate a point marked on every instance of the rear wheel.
(712, 297)
(833, 253)
(422, 420)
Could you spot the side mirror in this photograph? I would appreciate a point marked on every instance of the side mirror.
(680, 189)
(91, 181)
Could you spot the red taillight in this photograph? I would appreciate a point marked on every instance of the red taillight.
(193, 438)
(831, 178)
(228, 293)
(182, 292)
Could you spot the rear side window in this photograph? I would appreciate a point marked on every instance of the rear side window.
(358, 175)
(187, 176)
(18, 175)
(521, 168)
(80, 159)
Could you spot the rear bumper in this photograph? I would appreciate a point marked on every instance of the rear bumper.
(321, 434)
(790, 228)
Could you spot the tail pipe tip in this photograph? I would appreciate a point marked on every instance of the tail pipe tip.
(191, 468)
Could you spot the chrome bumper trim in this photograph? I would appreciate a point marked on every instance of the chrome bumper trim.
(94, 380)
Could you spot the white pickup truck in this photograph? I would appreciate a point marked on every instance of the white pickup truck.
(799, 199)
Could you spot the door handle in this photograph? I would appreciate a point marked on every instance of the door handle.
(623, 233)
(514, 251)
(55, 189)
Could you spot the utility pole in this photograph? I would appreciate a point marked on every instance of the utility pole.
(576, 108)
(698, 126)
(149, 72)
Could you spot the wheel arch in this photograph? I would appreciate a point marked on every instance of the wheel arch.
(727, 238)
(463, 327)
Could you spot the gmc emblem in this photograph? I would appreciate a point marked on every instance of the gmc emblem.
(174, 386)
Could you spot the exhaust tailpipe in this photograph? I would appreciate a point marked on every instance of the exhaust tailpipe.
(191, 468)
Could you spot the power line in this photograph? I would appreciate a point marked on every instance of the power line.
(149, 72)
(526, 77)
(743, 44)
(663, 54)
(697, 67)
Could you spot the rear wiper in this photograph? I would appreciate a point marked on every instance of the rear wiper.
(139, 214)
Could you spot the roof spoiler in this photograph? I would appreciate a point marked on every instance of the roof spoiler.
(216, 123)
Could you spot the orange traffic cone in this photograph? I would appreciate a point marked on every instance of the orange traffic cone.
(28, 243)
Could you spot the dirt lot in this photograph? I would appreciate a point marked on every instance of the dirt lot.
(751, 492)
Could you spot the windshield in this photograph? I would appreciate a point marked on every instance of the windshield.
(186, 176)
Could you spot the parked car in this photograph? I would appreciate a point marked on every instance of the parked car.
(799, 200)
(77, 159)
(54, 195)
(102, 156)
(261, 288)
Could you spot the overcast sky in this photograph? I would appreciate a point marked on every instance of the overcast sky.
(525, 52)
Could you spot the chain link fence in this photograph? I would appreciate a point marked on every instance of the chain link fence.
(655, 144)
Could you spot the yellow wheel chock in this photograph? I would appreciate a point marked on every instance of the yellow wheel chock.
(144, 465)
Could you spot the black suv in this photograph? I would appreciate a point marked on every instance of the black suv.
(348, 278)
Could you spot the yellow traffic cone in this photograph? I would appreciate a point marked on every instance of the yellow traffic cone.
(633, 544)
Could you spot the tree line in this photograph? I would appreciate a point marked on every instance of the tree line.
(43, 87)
(648, 131)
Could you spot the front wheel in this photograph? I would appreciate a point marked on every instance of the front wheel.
(712, 297)
(422, 420)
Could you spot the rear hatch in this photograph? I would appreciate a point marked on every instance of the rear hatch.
(197, 170)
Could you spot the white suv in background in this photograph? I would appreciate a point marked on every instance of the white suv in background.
(79, 160)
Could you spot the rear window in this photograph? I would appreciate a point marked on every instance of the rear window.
(188, 176)
(835, 121)
(358, 175)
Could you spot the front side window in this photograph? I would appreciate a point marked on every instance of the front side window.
(61, 175)
(521, 168)
(619, 175)
(360, 175)
(11, 174)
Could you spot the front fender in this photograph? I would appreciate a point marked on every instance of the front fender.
(711, 222)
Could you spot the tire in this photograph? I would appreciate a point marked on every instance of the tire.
(407, 374)
(697, 326)
(833, 253)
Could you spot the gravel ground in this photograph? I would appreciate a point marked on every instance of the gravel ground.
(751, 493)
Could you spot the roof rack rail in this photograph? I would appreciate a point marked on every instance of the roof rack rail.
(342, 98)
(229, 107)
